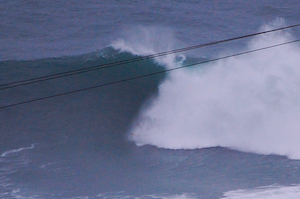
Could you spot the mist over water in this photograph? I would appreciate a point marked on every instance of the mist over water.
(149, 40)
(248, 103)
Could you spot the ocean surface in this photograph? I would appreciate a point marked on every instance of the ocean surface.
(223, 129)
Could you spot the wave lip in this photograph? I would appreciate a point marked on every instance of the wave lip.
(149, 40)
(248, 103)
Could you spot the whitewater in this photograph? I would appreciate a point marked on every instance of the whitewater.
(223, 129)
(248, 103)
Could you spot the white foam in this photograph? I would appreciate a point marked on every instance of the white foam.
(250, 103)
(268, 192)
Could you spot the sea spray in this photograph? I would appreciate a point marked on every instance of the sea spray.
(249, 103)
(150, 40)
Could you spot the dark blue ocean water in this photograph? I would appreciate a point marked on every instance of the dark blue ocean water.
(227, 129)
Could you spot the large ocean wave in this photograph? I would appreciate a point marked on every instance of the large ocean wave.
(249, 103)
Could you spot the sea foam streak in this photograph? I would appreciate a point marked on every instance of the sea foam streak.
(250, 103)
(5, 154)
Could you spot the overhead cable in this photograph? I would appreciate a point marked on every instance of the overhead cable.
(146, 75)
(118, 63)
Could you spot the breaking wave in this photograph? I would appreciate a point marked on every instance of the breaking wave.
(249, 103)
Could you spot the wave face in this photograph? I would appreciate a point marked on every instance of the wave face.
(75, 144)
(250, 103)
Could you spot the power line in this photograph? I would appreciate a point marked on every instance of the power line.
(147, 75)
(103, 66)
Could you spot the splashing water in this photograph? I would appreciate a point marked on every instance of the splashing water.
(250, 103)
